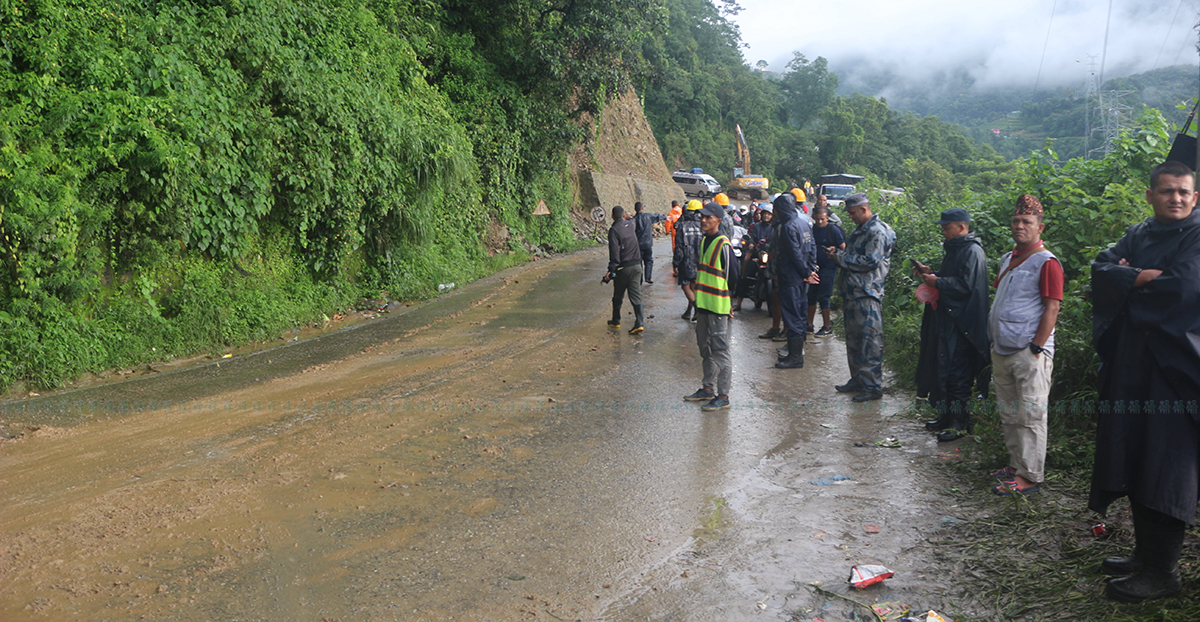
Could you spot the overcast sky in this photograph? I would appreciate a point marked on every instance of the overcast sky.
(999, 42)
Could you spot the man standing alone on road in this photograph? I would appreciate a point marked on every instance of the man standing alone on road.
(1029, 290)
(713, 311)
(954, 340)
(644, 226)
(1145, 293)
(866, 261)
(624, 269)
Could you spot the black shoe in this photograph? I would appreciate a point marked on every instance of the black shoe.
(717, 403)
(703, 395)
(868, 396)
(689, 314)
(1121, 566)
(649, 282)
(937, 425)
(795, 357)
(950, 434)
(770, 334)
(614, 324)
(638, 328)
(1159, 576)
(850, 387)
(824, 332)
(638, 320)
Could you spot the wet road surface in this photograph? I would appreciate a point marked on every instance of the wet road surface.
(495, 454)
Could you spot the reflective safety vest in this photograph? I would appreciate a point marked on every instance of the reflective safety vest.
(711, 287)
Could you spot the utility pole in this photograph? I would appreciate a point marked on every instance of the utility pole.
(1185, 130)
(1090, 90)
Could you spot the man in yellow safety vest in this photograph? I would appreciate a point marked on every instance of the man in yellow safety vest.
(713, 311)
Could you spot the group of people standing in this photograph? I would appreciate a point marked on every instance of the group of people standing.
(1145, 292)
(801, 269)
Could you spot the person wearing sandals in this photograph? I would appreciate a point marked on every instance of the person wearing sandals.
(1029, 289)
(713, 311)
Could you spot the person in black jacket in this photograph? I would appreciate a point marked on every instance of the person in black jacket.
(794, 256)
(624, 268)
(1145, 293)
(954, 341)
(644, 224)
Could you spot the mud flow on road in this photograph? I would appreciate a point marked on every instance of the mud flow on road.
(494, 454)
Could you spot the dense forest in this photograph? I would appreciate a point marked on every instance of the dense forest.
(183, 175)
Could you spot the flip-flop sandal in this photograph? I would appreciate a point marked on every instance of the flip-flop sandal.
(1009, 487)
(1005, 473)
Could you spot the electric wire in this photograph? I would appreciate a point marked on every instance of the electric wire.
(1038, 81)
(1170, 27)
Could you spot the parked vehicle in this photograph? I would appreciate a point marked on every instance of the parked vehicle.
(837, 187)
(695, 183)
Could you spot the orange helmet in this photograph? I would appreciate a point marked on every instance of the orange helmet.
(721, 199)
(800, 196)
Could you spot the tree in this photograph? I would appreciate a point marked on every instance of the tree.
(808, 88)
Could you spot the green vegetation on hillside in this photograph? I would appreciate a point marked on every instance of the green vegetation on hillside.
(184, 175)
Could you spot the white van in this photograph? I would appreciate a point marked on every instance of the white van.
(696, 184)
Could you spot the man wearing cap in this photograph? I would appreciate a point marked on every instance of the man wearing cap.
(794, 259)
(954, 338)
(644, 224)
(713, 311)
(1029, 290)
(687, 253)
(1145, 293)
(624, 268)
(865, 262)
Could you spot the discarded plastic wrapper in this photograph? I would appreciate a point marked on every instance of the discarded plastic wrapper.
(862, 575)
(934, 616)
(1098, 530)
(890, 611)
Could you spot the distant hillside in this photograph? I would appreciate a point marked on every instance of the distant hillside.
(1024, 118)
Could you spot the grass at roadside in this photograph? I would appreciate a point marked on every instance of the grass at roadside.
(1036, 557)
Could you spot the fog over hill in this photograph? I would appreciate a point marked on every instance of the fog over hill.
(984, 45)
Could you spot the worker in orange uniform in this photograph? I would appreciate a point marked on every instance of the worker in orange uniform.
(672, 216)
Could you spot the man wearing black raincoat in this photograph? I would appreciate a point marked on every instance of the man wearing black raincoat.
(794, 259)
(1146, 329)
(954, 341)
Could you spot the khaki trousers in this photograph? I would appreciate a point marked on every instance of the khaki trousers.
(1023, 396)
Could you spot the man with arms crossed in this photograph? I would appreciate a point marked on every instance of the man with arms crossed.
(1145, 296)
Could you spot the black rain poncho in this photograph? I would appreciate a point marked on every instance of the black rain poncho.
(962, 312)
(1148, 339)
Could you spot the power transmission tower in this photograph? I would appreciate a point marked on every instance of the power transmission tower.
(1114, 115)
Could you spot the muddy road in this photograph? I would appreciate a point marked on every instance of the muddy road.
(495, 454)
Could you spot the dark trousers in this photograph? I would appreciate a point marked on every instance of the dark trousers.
(793, 302)
(629, 278)
(647, 263)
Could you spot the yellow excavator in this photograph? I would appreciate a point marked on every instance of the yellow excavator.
(742, 184)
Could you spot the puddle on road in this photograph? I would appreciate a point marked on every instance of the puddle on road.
(504, 457)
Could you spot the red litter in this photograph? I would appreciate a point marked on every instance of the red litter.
(1099, 530)
(862, 575)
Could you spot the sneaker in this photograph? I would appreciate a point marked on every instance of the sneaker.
(637, 329)
(812, 330)
(824, 332)
(717, 403)
(781, 337)
(703, 395)
(770, 334)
